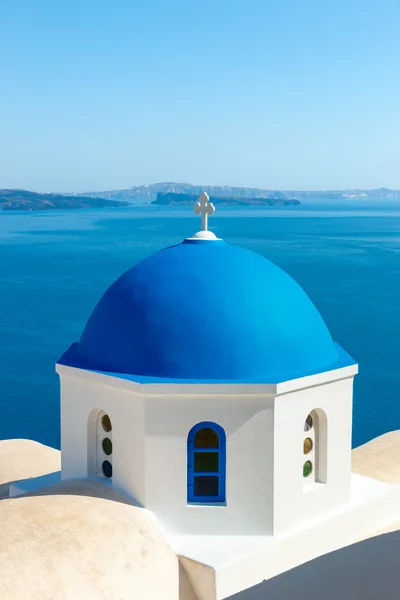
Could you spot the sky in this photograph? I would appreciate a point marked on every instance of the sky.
(277, 94)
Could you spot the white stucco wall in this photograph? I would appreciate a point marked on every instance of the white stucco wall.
(248, 422)
(296, 498)
(149, 434)
(81, 398)
(265, 489)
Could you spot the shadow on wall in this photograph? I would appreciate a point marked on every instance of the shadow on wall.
(368, 570)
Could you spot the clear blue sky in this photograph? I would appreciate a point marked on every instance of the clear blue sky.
(103, 94)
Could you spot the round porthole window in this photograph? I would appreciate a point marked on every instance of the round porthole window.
(107, 446)
(107, 469)
(307, 468)
(308, 445)
(106, 423)
(308, 423)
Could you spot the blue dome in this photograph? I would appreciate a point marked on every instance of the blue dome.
(206, 311)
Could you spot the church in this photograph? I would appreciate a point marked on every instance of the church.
(206, 426)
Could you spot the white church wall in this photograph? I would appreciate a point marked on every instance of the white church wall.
(248, 424)
(298, 498)
(82, 398)
(74, 415)
(265, 489)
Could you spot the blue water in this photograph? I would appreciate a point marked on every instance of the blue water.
(55, 265)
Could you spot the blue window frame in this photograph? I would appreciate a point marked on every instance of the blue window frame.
(206, 464)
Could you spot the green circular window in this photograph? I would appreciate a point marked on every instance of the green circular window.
(308, 445)
(307, 468)
(106, 423)
(308, 423)
(107, 446)
(107, 469)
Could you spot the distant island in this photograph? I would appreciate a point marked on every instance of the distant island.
(24, 200)
(171, 199)
(146, 194)
(171, 193)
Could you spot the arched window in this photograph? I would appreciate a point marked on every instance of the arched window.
(315, 447)
(206, 464)
(104, 445)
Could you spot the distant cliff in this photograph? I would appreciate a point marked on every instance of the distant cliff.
(170, 199)
(24, 200)
(145, 194)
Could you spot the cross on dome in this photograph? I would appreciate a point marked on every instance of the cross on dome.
(204, 208)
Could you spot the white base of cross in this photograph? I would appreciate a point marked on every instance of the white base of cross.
(204, 235)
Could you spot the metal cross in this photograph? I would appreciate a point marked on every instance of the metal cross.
(204, 208)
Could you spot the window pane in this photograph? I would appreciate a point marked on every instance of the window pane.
(308, 445)
(308, 423)
(107, 469)
(206, 461)
(106, 423)
(107, 446)
(205, 485)
(307, 468)
(206, 438)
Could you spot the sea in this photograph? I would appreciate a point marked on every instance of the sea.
(55, 265)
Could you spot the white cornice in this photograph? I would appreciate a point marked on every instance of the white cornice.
(207, 389)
